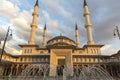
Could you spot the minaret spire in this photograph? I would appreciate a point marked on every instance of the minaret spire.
(85, 3)
(76, 28)
(88, 24)
(36, 3)
(44, 37)
(34, 24)
(45, 27)
(77, 36)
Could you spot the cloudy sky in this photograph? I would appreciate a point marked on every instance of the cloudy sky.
(60, 17)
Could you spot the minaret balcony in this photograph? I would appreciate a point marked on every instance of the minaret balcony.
(86, 13)
(88, 25)
(35, 13)
(33, 25)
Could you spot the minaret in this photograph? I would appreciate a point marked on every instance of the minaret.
(77, 36)
(34, 24)
(88, 24)
(44, 37)
(0, 44)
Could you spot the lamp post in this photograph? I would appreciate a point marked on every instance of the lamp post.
(116, 32)
(8, 31)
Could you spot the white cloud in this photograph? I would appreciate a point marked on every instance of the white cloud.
(10, 49)
(7, 8)
(110, 48)
(105, 49)
(21, 24)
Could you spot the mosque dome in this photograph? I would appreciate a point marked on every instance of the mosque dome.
(61, 40)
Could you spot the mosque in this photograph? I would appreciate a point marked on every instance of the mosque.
(59, 51)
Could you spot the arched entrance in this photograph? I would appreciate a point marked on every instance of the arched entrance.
(60, 58)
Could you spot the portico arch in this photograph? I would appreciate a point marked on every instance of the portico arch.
(56, 55)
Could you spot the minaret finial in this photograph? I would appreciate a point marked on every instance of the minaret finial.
(45, 27)
(36, 3)
(44, 37)
(76, 27)
(85, 3)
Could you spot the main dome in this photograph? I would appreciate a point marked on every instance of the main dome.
(60, 39)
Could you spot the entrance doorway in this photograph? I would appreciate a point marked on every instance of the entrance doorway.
(60, 67)
(61, 59)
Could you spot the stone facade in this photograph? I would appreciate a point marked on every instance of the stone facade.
(62, 48)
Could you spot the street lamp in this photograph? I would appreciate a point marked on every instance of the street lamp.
(116, 32)
(8, 32)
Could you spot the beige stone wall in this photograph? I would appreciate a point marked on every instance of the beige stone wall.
(85, 60)
(88, 51)
(8, 58)
(32, 50)
(79, 52)
(53, 64)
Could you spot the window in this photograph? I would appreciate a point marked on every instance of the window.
(89, 59)
(92, 51)
(37, 59)
(30, 59)
(85, 59)
(96, 51)
(30, 51)
(34, 59)
(79, 60)
(74, 59)
(94, 59)
(21, 59)
(46, 59)
(24, 59)
(42, 59)
(25, 51)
